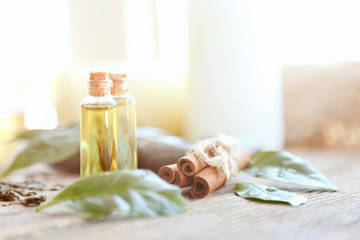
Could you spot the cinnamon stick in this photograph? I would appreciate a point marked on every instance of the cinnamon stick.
(172, 174)
(209, 179)
(206, 181)
(168, 172)
(182, 180)
(190, 164)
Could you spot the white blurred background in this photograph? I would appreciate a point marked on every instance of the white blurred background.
(245, 67)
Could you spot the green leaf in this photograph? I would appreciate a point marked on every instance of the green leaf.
(266, 193)
(50, 146)
(33, 134)
(127, 192)
(29, 134)
(286, 167)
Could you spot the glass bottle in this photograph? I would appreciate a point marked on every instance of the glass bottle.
(126, 121)
(98, 127)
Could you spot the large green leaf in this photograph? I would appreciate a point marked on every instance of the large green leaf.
(51, 146)
(127, 192)
(29, 134)
(266, 193)
(33, 134)
(286, 167)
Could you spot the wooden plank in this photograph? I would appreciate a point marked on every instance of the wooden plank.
(221, 215)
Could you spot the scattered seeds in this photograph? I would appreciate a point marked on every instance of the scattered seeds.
(7, 196)
(34, 200)
(19, 191)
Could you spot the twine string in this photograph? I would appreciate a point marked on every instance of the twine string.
(221, 151)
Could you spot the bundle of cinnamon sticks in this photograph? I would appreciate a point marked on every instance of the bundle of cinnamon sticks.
(203, 179)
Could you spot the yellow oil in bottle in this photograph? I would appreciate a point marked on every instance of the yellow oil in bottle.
(126, 133)
(98, 139)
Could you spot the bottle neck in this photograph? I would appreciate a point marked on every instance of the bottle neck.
(96, 92)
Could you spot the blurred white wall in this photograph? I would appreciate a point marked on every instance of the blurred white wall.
(234, 77)
(34, 50)
(232, 52)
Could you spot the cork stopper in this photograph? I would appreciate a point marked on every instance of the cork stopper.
(115, 76)
(120, 83)
(98, 85)
(97, 76)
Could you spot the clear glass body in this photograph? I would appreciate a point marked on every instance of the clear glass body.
(98, 147)
(126, 131)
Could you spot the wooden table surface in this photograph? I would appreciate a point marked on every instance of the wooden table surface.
(221, 215)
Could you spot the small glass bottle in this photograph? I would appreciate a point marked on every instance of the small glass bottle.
(98, 127)
(126, 121)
